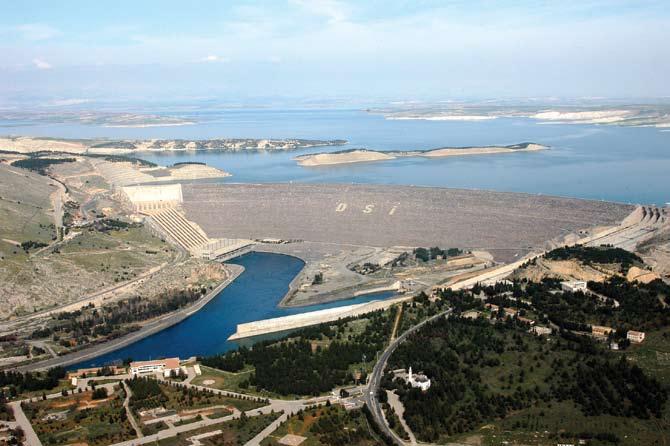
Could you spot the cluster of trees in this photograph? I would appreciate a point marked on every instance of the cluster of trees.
(31, 244)
(641, 306)
(366, 268)
(601, 254)
(147, 393)
(602, 386)
(333, 427)
(99, 393)
(293, 366)
(18, 382)
(6, 412)
(457, 354)
(40, 165)
(433, 253)
(106, 321)
(114, 224)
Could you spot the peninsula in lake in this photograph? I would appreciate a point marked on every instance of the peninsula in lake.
(365, 155)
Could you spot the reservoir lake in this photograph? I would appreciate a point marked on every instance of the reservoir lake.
(600, 162)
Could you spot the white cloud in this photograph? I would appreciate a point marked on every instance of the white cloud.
(37, 31)
(41, 64)
(333, 10)
(213, 58)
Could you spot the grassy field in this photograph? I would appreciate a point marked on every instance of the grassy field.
(563, 423)
(653, 355)
(223, 380)
(24, 206)
(342, 427)
(63, 384)
(87, 263)
(179, 398)
(234, 433)
(231, 382)
(78, 419)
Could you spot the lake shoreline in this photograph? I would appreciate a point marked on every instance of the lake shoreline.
(367, 156)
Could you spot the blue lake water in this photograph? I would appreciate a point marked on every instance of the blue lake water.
(623, 164)
(613, 163)
(252, 296)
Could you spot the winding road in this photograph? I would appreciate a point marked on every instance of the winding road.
(378, 371)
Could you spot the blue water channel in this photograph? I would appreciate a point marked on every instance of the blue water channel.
(252, 296)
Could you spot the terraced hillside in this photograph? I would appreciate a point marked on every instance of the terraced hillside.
(506, 224)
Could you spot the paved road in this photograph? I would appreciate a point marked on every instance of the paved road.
(378, 372)
(396, 404)
(31, 437)
(129, 413)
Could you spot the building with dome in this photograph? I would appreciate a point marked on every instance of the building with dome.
(419, 380)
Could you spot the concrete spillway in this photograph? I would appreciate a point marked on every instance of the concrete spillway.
(277, 324)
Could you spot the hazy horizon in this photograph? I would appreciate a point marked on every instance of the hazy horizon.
(333, 51)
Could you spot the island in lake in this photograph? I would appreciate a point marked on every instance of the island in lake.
(365, 155)
(27, 144)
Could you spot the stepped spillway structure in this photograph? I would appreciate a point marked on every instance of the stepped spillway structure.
(184, 232)
(161, 205)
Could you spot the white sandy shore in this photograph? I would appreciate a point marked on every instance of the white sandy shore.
(361, 156)
(442, 118)
(354, 156)
(584, 117)
(440, 153)
(141, 126)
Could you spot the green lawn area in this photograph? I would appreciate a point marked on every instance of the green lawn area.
(78, 419)
(153, 428)
(62, 384)
(234, 433)
(653, 355)
(230, 381)
(342, 428)
(179, 398)
(542, 424)
(222, 380)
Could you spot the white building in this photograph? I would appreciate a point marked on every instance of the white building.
(635, 336)
(164, 366)
(421, 381)
(574, 285)
(540, 331)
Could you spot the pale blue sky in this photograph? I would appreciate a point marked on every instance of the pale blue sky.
(330, 48)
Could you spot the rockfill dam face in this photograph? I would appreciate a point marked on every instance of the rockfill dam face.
(506, 224)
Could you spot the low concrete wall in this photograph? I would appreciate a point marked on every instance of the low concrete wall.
(277, 324)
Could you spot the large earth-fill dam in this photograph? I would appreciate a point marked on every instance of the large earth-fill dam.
(506, 224)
